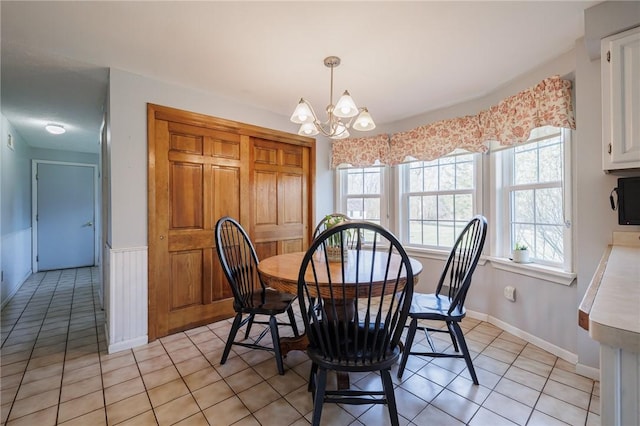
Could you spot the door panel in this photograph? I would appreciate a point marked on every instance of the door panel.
(65, 216)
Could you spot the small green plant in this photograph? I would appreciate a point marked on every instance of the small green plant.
(520, 246)
(331, 221)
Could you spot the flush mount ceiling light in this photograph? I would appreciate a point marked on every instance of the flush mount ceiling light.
(55, 129)
(340, 116)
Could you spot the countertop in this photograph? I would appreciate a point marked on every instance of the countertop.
(610, 309)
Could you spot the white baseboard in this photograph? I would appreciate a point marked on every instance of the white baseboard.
(590, 372)
(566, 355)
(125, 344)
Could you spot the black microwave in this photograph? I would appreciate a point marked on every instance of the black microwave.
(628, 192)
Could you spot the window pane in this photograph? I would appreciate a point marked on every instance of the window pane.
(446, 233)
(372, 182)
(464, 175)
(464, 206)
(447, 177)
(445, 207)
(415, 232)
(355, 208)
(415, 179)
(415, 208)
(430, 233)
(431, 178)
(354, 181)
(523, 206)
(549, 206)
(523, 234)
(525, 166)
(430, 207)
(549, 243)
(372, 209)
(551, 163)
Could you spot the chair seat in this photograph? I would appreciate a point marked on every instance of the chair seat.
(268, 302)
(431, 306)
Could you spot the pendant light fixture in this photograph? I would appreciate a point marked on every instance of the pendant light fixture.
(340, 116)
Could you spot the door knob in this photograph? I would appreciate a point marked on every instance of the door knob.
(88, 223)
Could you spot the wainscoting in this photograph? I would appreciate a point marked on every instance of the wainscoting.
(125, 301)
(16, 262)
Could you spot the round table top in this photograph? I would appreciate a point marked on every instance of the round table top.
(281, 271)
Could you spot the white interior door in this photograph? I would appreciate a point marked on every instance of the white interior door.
(65, 216)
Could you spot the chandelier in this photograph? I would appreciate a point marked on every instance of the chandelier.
(340, 116)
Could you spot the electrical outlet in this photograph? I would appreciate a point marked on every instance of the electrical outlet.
(510, 293)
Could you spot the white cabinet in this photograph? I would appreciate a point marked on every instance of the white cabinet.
(621, 100)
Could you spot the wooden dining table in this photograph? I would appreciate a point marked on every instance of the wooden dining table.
(281, 273)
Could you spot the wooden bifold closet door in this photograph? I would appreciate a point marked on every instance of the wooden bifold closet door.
(200, 169)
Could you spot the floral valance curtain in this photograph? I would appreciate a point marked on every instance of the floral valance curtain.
(546, 104)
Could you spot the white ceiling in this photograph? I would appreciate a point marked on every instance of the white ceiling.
(399, 59)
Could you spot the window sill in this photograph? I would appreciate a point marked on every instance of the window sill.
(534, 270)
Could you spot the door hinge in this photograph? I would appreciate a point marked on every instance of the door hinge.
(608, 56)
(37, 258)
(609, 149)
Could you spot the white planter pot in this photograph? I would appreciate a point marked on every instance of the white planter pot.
(521, 256)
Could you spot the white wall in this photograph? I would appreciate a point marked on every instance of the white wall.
(15, 211)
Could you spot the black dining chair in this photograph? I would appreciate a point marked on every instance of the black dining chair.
(250, 295)
(447, 303)
(360, 310)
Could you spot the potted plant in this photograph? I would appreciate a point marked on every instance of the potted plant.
(520, 253)
(335, 241)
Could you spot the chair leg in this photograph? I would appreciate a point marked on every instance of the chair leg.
(387, 385)
(312, 379)
(453, 336)
(275, 337)
(407, 345)
(465, 351)
(292, 320)
(232, 336)
(318, 399)
(249, 324)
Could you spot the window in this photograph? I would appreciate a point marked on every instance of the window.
(439, 198)
(535, 197)
(361, 193)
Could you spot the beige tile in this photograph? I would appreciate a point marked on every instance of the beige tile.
(167, 392)
(176, 410)
(38, 386)
(243, 380)
(154, 364)
(117, 363)
(34, 403)
(567, 393)
(526, 378)
(202, 378)
(537, 367)
(422, 387)
(8, 394)
(287, 382)
(455, 405)
(80, 388)
(197, 419)
(534, 352)
(518, 391)
(120, 375)
(41, 418)
(94, 418)
(212, 394)
(42, 372)
(80, 406)
(232, 366)
(500, 354)
(147, 418)
(226, 412)
(509, 408)
(484, 417)
(279, 412)
(127, 408)
(561, 410)
(192, 365)
(81, 373)
(258, 396)
(123, 390)
(574, 380)
(4, 412)
(467, 389)
(184, 354)
(149, 351)
(82, 361)
(159, 377)
(16, 367)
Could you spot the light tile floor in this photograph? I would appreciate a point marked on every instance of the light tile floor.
(55, 370)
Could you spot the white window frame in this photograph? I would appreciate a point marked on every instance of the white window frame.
(385, 189)
(502, 168)
(403, 209)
